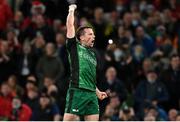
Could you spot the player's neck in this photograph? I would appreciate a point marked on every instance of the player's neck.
(82, 44)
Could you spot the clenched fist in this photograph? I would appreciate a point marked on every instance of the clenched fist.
(72, 7)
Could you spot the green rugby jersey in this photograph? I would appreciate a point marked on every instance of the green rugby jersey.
(82, 65)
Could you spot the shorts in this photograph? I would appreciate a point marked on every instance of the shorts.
(81, 102)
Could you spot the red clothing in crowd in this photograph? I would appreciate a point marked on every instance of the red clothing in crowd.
(28, 22)
(6, 106)
(176, 12)
(23, 114)
(5, 14)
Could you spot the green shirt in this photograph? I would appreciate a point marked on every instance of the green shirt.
(82, 65)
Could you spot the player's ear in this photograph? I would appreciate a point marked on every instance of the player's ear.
(81, 37)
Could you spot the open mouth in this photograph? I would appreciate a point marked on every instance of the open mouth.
(92, 43)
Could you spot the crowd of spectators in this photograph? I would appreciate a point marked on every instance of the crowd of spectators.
(138, 51)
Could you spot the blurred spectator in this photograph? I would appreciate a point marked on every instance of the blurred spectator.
(40, 27)
(147, 65)
(49, 87)
(149, 118)
(13, 83)
(32, 98)
(50, 65)
(112, 109)
(38, 44)
(5, 15)
(36, 7)
(84, 21)
(171, 78)
(46, 111)
(174, 4)
(108, 114)
(136, 19)
(157, 113)
(99, 27)
(26, 63)
(122, 39)
(18, 21)
(114, 104)
(120, 6)
(172, 114)
(62, 52)
(139, 67)
(151, 90)
(129, 36)
(123, 63)
(138, 55)
(178, 117)
(145, 40)
(7, 62)
(6, 97)
(13, 42)
(119, 54)
(167, 47)
(31, 83)
(112, 85)
(127, 21)
(57, 25)
(126, 113)
(20, 111)
(150, 26)
(109, 57)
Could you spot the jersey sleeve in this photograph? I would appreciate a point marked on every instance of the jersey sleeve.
(70, 43)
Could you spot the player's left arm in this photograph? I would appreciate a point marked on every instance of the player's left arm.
(101, 95)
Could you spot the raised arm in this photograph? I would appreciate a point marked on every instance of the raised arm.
(70, 22)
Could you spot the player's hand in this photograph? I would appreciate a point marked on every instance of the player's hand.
(102, 95)
(72, 7)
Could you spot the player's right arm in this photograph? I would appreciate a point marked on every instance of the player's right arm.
(70, 22)
(101, 95)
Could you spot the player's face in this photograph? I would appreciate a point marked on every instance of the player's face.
(88, 37)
